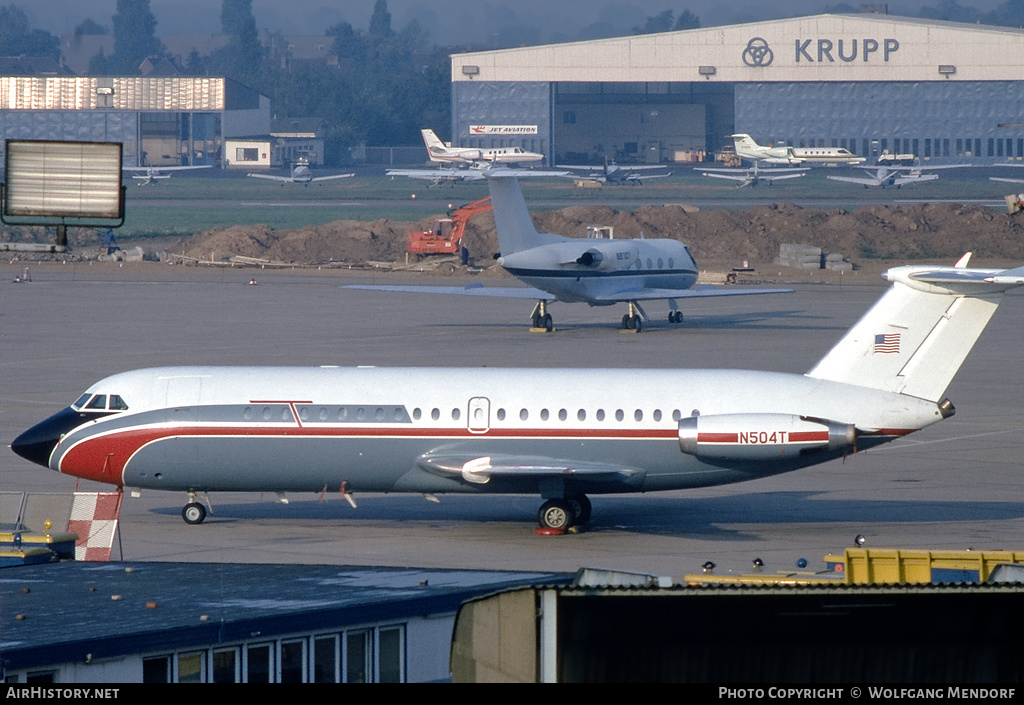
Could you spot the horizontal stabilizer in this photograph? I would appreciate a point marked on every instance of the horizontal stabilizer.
(914, 339)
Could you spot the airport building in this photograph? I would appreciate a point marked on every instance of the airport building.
(161, 120)
(946, 92)
(81, 622)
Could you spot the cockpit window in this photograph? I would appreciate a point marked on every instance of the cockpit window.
(98, 402)
(117, 403)
(81, 400)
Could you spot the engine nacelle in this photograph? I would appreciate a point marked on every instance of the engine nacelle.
(590, 258)
(761, 436)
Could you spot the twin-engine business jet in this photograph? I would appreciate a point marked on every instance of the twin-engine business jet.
(747, 148)
(441, 153)
(560, 433)
(596, 271)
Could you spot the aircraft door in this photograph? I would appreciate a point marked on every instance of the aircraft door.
(479, 416)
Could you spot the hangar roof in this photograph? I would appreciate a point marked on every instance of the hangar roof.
(862, 47)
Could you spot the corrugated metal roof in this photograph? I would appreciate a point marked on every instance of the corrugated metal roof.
(58, 613)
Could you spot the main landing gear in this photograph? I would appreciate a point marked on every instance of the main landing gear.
(634, 319)
(541, 319)
(564, 513)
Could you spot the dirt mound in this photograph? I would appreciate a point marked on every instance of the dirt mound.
(873, 232)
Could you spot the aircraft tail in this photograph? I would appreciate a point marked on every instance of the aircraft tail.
(744, 143)
(433, 143)
(515, 229)
(914, 339)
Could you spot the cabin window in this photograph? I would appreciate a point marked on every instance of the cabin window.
(435, 414)
(562, 415)
(661, 264)
(417, 413)
(677, 415)
(650, 264)
(600, 414)
(501, 414)
(323, 414)
(360, 414)
(378, 414)
(524, 414)
(455, 414)
(671, 263)
(619, 415)
(638, 415)
(581, 415)
(544, 414)
(657, 414)
(266, 413)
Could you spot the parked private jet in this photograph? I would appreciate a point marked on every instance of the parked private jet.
(561, 433)
(747, 148)
(442, 153)
(596, 271)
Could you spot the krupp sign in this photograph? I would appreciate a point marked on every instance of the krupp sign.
(758, 53)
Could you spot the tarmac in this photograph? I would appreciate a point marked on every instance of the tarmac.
(955, 485)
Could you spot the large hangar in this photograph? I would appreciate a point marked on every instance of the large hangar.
(162, 121)
(946, 92)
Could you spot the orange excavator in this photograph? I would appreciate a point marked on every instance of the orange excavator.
(445, 237)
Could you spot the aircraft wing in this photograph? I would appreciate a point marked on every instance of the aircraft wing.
(900, 180)
(335, 176)
(645, 177)
(506, 292)
(700, 291)
(479, 470)
(730, 177)
(270, 177)
(164, 168)
(856, 180)
(438, 174)
(1005, 180)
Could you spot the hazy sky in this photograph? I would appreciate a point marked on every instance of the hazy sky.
(449, 22)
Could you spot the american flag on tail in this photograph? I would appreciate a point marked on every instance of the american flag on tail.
(887, 343)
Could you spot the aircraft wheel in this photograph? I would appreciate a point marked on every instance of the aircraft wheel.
(637, 323)
(581, 507)
(549, 325)
(556, 514)
(625, 322)
(193, 513)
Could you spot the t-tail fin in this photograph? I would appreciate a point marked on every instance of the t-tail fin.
(914, 339)
(512, 222)
(433, 142)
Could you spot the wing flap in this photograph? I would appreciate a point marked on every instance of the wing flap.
(470, 290)
(479, 470)
(658, 294)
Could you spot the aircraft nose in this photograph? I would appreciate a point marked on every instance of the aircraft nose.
(37, 443)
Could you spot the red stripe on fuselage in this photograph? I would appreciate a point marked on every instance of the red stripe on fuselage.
(103, 457)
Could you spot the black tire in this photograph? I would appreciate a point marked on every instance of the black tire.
(638, 324)
(549, 324)
(193, 513)
(581, 508)
(556, 514)
(625, 322)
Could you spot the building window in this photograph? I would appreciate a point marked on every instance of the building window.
(226, 666)
(247, 154)
(190, 667)
(293, 661)
(358, 655)
(325, 659)
(156, 670)
(390, 648)
(259, 663)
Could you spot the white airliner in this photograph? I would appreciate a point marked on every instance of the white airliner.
(441, 153)
(301, 174)
(747, 148)
(149, 174)
(560, 433)
(598, 271)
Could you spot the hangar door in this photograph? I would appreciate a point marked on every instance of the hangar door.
(639, 123)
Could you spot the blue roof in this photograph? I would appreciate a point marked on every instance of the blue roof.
(60, 612)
